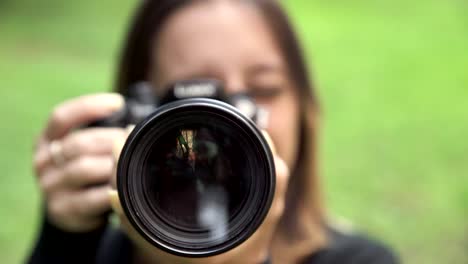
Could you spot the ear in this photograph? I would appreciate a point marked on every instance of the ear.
(115, 202)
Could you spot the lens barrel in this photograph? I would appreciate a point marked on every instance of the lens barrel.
(196, 178)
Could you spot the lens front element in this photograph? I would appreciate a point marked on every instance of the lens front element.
(196, 178)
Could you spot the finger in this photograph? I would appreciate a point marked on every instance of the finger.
(113, 194)
(82, 172)
(89, 202)
(72, 223)
(51, 180)
(119, 143)
(282, 175)
(78, 210)
(41, 158)
(269, 141)
(282, 179)
(116, 150)
(79, 111)
(94, 141)
(88, 170)
(115, 202)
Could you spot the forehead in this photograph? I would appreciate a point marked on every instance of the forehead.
(213, 36)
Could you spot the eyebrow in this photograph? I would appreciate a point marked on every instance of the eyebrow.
(265, 68)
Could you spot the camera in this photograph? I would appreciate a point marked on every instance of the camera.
(195, 177)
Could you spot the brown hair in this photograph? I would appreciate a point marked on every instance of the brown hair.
(301, 227)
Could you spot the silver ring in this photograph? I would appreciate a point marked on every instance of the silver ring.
(56, 153)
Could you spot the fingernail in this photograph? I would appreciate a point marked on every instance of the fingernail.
(282, 166)
(130, 128)
(269, 141)
(114, 101)
(117, 148)
(115, 201)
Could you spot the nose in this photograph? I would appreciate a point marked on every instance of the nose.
(235, 84)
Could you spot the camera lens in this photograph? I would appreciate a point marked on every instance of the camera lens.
(196, 178)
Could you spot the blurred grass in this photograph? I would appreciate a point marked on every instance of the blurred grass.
(393, 82)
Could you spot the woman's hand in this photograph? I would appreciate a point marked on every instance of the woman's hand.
(74, 167)
(255, 250)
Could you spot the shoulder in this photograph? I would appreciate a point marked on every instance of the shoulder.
(352, 248)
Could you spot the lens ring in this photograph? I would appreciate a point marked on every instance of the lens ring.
(190, 120)
(131, 190)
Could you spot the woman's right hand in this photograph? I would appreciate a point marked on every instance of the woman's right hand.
(74, 166)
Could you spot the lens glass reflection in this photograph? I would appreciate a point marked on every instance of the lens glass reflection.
(197, 178)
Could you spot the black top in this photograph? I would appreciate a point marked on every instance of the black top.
(109, 245)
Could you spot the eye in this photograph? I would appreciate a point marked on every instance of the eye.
(266, 93)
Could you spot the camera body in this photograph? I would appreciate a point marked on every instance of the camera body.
(141, 101)
(195, 177)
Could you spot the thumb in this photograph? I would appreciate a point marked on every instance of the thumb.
(116, 150)
(120, 142)
(269, 141)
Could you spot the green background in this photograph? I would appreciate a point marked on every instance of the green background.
(393, 81)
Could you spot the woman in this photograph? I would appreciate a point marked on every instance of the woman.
(250, 47)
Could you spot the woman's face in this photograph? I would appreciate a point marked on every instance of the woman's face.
(230, 41)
